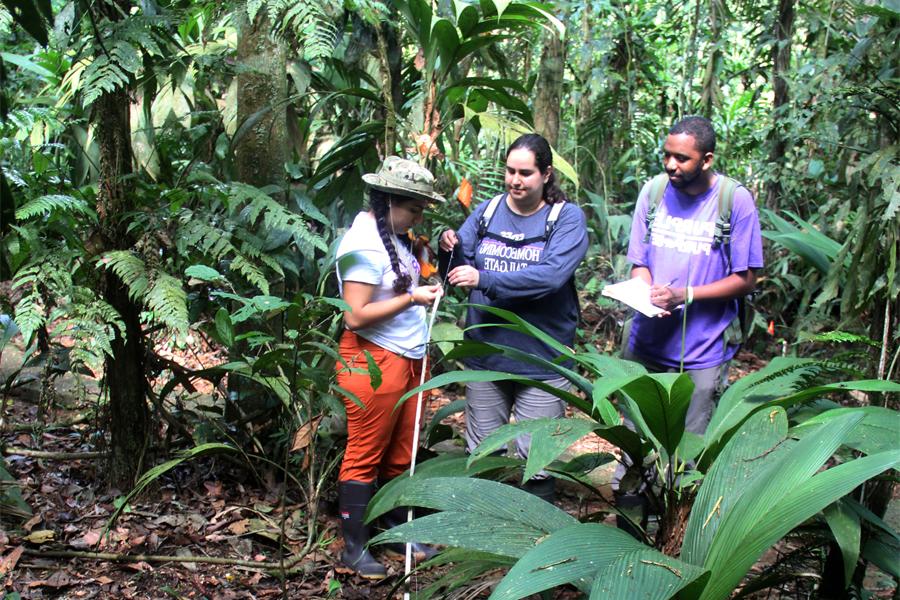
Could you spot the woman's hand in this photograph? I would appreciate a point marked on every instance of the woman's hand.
(448, 240)
(464, 277)
(425, 295)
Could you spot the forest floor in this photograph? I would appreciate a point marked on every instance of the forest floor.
(208, 507)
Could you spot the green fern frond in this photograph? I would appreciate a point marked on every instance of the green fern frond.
(250, 272)
(212, 241)
(168, 301)
(29, 312)
(306, 21)
(844, 337)
(130, 269)
(312, 25)
(46, 205)
(264, 257)
(90, 323)
(272, 214)
(120, 58)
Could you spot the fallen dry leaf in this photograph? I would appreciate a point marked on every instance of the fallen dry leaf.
(41, 536)
(305, 434)
(239, 527)
(8, 562)
(59, 579)
(30, 523)
(213, 488)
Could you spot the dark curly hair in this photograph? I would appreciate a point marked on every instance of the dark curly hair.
(380, 202)
(543, 158)
(699, 128)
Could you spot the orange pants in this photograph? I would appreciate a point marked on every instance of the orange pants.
(379, 436)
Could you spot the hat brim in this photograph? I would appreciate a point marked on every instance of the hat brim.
(373, 180)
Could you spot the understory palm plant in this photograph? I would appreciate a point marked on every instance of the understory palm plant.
(777, 455)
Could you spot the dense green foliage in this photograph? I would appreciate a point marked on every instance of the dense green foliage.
(804, 98)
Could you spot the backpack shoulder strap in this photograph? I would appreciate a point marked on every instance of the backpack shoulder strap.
(722, 234)
(654, 197)
(552, 217)
(488, 214)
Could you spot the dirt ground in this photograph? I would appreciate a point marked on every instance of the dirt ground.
(208, 508)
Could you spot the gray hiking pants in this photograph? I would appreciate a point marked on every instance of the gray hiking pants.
(489, 405)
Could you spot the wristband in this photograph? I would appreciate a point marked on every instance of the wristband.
(690, 296)
(412, 300)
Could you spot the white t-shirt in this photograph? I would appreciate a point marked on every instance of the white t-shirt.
(362, 257)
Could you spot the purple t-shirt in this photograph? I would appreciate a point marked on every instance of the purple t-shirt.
(681, 252)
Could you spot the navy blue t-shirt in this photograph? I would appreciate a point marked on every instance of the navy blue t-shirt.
(533, 280)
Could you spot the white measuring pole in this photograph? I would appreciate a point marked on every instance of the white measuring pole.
(415, 445)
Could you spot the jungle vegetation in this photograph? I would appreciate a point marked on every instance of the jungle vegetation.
(180, 169)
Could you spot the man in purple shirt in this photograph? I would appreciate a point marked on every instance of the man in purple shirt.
(690, 271)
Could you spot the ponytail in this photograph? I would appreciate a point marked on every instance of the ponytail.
(379, 202)
(552, 192)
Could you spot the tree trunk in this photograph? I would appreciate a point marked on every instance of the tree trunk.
(711, 95)
(548, 92)
(125, 378)
(782, 61)
(261, 100)
(260, 155)
(690, 66)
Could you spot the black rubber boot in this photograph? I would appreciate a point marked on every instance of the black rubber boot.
(634, 506)
(398, 516)
(545, 489)
(353, 497)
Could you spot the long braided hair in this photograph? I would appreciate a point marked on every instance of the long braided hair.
(379, 202)
(543, 158)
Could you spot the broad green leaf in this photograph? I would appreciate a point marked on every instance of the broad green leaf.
(464, 376)
(845, 527)
(663, 399)
(878, 431)
(476, 496)
(883, 550)
(779, 378)
(755, 445)
(472, 531)
(29, 65)
(203, 273)
(770, 506)
(445, 334)
(519, 324)
(550, 438)
(445, 42)
(374, 370)
(442, 413)
(590, 552)
(469, 348)
(800, 504)
(224, 327)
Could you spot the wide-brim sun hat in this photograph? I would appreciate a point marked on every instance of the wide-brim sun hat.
(403, 177)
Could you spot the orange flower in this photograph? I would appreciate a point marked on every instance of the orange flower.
(465, 193)
(424, 255)
(771, 328)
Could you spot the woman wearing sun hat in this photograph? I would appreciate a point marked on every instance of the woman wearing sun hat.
(378, 278)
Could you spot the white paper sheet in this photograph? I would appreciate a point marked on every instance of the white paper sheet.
(635, 293)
